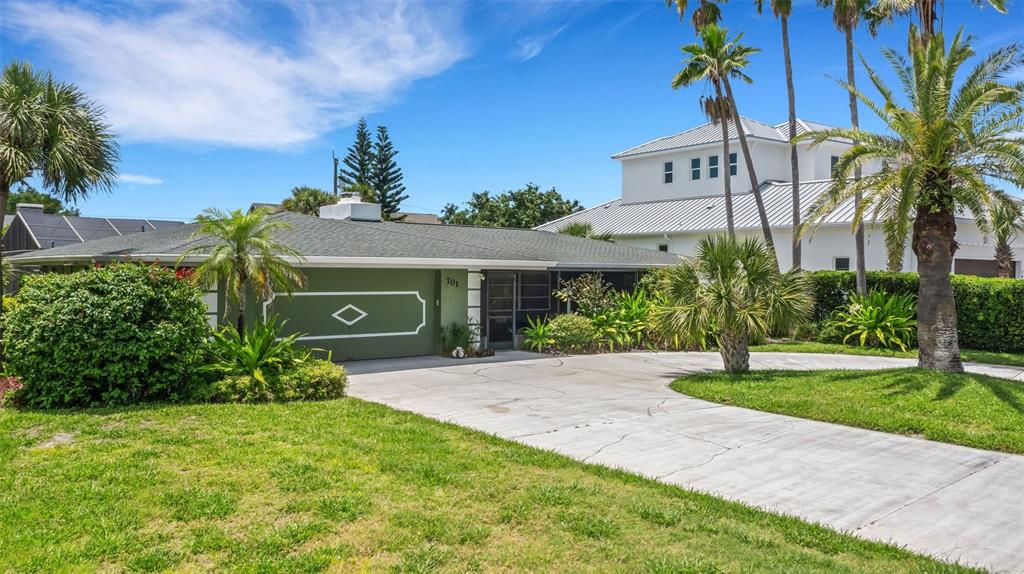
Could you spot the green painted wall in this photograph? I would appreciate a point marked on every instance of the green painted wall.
(364, 313)
(454, 296)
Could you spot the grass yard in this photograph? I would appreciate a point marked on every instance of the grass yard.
(990, 357)
(972, 410)
(356, 487)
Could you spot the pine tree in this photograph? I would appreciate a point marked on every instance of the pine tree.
(386, 177)
(358, 162)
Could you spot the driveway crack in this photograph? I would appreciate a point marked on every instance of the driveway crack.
(611, 444)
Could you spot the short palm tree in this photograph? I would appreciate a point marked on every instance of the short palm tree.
(307, 200)
(734, 290)
(585, 230)
(783, 9)
(242, 252)
(945, 141)
(1007, 224)
(714, 60)
(51, 130)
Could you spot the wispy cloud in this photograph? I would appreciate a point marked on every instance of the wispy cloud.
(139, 179)
(530, 47)
(210, 72)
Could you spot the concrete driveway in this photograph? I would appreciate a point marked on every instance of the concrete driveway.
(956, 503)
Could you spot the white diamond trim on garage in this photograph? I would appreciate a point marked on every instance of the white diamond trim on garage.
(361, 314)
(423, 316)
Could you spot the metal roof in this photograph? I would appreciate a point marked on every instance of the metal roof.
(711, 133)
(705, 213)
(314, 237)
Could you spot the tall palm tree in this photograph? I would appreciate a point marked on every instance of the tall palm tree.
(928, 13)
(241, 250)
(782, 9)
(947, 139)
(735, 289)
(846, 15)
(706, 12)
(1007, 224)
(307, 200)
(716, 59)
(51, 130)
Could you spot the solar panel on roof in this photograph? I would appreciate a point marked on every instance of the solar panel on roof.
(90, 228)
(49, 230)
(131, 225)
(160, 224)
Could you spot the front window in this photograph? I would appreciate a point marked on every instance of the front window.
(663, 247)
(713, 167)
(841, 263)
(667, 172)
(732, 164)
(695, 168)
(835, 162)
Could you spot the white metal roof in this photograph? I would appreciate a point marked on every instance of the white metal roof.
(711, 133)
(702, 213)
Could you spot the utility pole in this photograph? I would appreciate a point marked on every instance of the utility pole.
(334, 174)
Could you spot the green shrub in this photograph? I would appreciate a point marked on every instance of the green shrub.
(589, 293)
(307, 380)
(878, 319)
(623, 325)
(573, 333)
(262, 354)
(455, 335)
(537, 334)
(109, 336)
(990, 311)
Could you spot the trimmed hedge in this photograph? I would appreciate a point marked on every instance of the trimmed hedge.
(103, 337)
(990, 311)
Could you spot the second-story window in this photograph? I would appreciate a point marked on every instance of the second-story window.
(835, 162)
(732, 164)
(667, 178)
(695, 168)
(712, 166)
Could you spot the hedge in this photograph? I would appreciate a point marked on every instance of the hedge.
(990, 311)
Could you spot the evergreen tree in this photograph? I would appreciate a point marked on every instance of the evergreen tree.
(386, 176)
(358, 162)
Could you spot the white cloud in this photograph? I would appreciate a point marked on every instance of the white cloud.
(530, 47)
(221, 73)
(139, 179)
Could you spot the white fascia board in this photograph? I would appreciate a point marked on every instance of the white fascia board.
(316, 261)
(714, 144)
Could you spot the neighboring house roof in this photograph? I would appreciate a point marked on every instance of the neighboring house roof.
(341, 243)
(430, 218)
(705, 213)
(711, 133)
(51, 230)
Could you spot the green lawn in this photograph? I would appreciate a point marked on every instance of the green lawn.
(972, 410)
(352, 486)
(991, 357)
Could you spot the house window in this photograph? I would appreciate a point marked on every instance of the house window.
(841, 263)
(732, 164)
(835, 162)
(695, 168)
(534, 291)
(712, 167)
(663, 247)
(668, 172)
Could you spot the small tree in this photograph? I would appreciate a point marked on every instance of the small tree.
(734, 290)
(523, 208)
(241, 250)
(584, 230)
(307, 200)
(358, 162)
(386, 178)
(28, 194)
(1007, 224)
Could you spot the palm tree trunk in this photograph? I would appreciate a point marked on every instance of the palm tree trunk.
(724, 164)
(935, 244)
(794, 163)
(5, 194)
(240, 322)
(858, 235)
(754, 187)
(734, 351)
(1004, 258)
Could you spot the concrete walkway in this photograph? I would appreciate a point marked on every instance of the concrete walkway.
(956, 503)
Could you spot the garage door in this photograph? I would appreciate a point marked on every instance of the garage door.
(363, 313)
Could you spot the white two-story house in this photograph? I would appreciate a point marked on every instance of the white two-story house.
(673, 194)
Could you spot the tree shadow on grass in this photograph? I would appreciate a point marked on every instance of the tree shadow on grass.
(1009, 392)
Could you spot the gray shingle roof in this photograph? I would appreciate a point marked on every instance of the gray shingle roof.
(330, 238)
(711, 133)
(701, 213)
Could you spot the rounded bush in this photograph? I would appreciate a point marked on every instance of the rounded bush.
(107, 336)
(314, 380)
(573, 333)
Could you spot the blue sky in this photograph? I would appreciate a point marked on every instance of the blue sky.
(228, 103)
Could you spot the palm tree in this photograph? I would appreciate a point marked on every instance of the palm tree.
(307, 200)
(1007, 224)
(716, 59)
(51, 130)
(946, 141)
(927, 11)
(244, 254)
(733, 288)
(846, 15)
(707, 12)
(584, 230)
(782, 10)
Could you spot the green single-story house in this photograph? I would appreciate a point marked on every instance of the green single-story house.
(379, 289)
